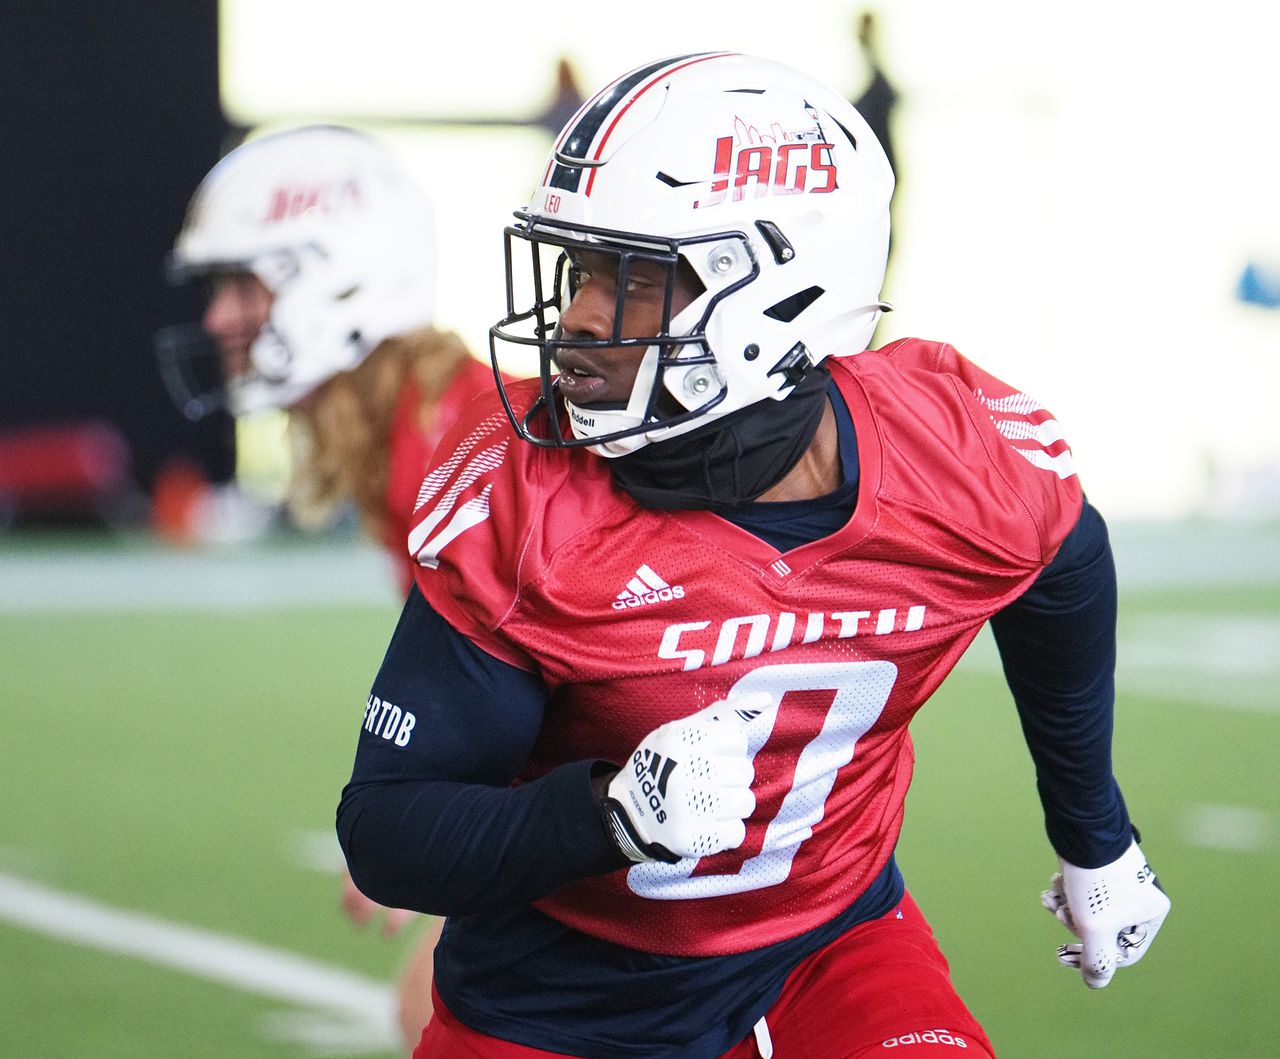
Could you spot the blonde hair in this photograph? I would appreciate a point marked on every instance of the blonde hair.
(340, 435)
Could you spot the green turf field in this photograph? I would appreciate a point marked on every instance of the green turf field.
(176, 728)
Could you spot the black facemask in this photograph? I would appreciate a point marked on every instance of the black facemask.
(730, 461)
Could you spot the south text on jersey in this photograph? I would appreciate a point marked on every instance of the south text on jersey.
(693, 642)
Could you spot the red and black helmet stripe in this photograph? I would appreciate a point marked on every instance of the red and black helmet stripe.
(571, 155)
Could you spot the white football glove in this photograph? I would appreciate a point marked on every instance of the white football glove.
(1114, 910)
(686, 790)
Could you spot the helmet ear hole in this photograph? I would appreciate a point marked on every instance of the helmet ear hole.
(778, 243)
(790, 307)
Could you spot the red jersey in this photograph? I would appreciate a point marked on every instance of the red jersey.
(635, 617)
(411, 444)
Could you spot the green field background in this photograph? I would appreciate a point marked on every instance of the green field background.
(175, 729)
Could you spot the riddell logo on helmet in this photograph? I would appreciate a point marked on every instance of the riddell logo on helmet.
(295, 200)
(927, 1037)
(789, 165)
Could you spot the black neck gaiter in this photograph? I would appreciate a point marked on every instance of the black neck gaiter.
(730, 461)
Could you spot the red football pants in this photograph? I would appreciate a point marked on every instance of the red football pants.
(882, 989)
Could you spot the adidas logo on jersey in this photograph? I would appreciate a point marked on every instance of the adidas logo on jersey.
(646, 588)
(954, 1040)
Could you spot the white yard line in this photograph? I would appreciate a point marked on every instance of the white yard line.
(319, 851)
(1235, 828)
(351, 1007)
(154, 578)
(1225, 661)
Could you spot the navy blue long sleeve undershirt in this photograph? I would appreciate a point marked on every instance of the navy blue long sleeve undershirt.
(453, 837)
(1058, 647)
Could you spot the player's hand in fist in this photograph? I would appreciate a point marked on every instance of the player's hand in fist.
(1114, 910)
(686, 790)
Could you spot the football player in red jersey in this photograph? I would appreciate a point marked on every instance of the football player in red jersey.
(319, 250)
(642, 730)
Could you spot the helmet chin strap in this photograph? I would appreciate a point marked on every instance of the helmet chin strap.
(606, 421)
(730, 461)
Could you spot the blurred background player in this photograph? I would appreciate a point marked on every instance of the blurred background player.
(320, 256)
(878, 99)
(642, 730)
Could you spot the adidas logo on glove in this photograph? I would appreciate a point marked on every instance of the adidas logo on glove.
(652, 772)
(659, 807)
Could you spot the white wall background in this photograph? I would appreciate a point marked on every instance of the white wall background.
(1080, 187)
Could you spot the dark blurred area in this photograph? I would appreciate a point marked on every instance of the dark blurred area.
(110, 117)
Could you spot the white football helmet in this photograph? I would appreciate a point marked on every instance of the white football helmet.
(339, 233)
(768, 184)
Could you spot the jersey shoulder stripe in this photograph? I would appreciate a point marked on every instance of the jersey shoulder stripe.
(438, 516)
(1024, 419)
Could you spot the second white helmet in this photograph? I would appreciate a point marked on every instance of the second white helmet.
(338, 232)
